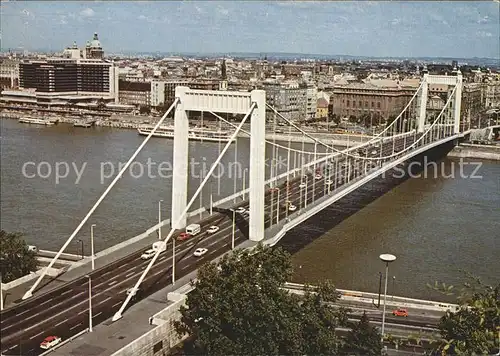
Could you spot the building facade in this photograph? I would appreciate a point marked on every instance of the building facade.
(291, 102)
(358, 99)
(134, 93)
(9, 74)
(69, 76)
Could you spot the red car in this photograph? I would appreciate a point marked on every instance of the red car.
(50, 341)
(183, 236)
(400, 312)
(273, 190)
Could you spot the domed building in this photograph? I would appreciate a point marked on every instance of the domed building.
(93, 49)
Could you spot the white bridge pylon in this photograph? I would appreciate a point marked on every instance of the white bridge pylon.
(222, 102)
(452, 80)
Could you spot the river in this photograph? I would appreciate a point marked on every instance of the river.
(435, 226)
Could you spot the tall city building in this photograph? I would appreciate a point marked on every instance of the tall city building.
(78, 72)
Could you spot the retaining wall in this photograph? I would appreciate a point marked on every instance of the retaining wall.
(163, 337)
(476, 151)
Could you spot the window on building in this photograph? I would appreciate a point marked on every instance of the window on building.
(378, 105)
(348, 102)
(366, 104)
(360, 104)
(373, 104)
(353, 104)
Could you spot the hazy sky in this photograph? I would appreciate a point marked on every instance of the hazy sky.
(406, 29)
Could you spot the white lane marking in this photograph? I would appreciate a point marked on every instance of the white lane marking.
(162, 257)
(111, 283)
(77, 325)
(105, 300)
(23, 312)
(13, 347)
(67, 292)
(62, 322)
(128, 275)
(31, 338)
(118, 303)
(95, 316)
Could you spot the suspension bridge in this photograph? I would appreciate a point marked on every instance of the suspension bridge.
(271, 205)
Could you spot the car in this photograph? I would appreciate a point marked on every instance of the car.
(50, 341)
(400, 312)
(275, 190)
(318, 176)
(183, 236)
(200, 252)
(241, 210)
(374, 152)
(302, 185)
(148, 254)
(213, 229)
(329, 181)
(292, 207)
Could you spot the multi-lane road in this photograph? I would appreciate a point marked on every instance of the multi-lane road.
(64, 311)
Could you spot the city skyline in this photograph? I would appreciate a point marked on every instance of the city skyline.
(376, 29)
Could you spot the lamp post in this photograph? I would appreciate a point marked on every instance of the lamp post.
(244, 181)
(90, 303)
(232, 238)
(278, 208)
(81, 241)
(393, 289)
(1, 293)
(92, 245)
(159, 219)
(387, 258)
(173, 260)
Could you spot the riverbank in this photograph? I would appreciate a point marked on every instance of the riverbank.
(135, 121)
(467, 150)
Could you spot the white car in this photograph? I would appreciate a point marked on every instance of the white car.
(292, 207)
(318, 176)
(302, 185)
(374, 152)
(241, 210)
(148, 254)
(213, 229)
(50, 341)
(329, 181)
(200, 252)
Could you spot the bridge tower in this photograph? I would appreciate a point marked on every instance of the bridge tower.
(220, 102)
(457, 82)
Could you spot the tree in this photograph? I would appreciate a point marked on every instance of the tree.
(15, 259)
(474, 326)
(240, 308)
(363, 339)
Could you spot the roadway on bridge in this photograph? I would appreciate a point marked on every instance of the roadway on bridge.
(64, 311)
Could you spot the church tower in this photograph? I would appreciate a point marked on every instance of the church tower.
(223, 82)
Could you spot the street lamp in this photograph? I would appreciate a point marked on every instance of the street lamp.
(173, 260)
(232, 238)
(159, 219)
(278, 209)
(1, 293)
(92, 245)
(81, 241)
(393, 290)
(244, 181)
(90, 303)
(387, 258)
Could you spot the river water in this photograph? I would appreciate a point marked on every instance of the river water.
(435, 226)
